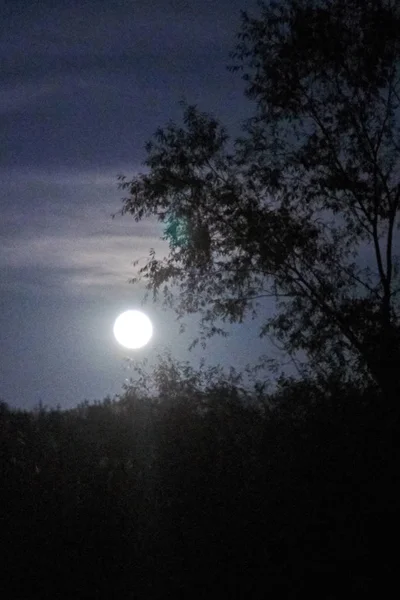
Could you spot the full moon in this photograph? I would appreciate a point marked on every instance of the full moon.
(133, 329)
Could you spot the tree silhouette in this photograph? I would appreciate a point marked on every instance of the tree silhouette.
(303, 207)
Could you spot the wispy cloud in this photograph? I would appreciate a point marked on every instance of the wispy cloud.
(82, 262)
(70, 244)
(27, 93)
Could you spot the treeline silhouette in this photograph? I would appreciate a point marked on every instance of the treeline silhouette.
(201, 492)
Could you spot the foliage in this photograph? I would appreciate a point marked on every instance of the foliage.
(293, 208)
(199, 491)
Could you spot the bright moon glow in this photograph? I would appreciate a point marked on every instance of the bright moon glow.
(133, 329)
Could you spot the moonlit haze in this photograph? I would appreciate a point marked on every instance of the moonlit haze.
(83, 87)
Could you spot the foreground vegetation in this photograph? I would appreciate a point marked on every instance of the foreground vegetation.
(198, 490)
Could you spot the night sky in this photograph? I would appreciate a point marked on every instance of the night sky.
(83, 86)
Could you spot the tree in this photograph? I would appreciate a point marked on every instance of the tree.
(293, 208)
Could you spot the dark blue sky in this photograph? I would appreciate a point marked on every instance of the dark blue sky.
(83, 87)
